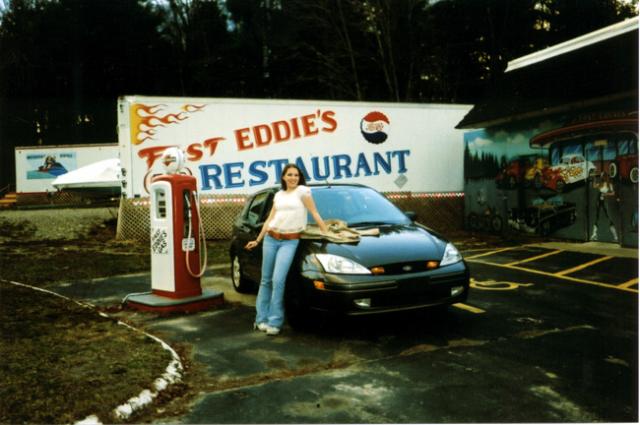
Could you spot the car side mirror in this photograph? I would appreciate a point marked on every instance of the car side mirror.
(412, 215)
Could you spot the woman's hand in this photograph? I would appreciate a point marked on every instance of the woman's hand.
(323, 227)
(251, 244)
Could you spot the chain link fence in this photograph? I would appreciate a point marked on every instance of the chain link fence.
(53, 198)
(443, 212)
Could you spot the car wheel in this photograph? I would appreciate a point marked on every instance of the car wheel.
(613, 170)
(633, 175)
(297, 313)
(240, 283)
(298, 318)
(496, 224)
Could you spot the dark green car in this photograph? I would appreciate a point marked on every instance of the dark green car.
(406, 267)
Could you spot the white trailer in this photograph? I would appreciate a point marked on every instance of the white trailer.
(237, 146)
(38, 166)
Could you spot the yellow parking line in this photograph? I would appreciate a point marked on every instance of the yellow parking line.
(491, 252)
(629, 284)
(470, 308)
(582, 266)
(537, 257)
(573, 279)
(473, 249)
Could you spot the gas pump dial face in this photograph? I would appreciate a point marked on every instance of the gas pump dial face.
(173, 160)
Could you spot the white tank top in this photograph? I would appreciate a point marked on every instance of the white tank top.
(291, 214)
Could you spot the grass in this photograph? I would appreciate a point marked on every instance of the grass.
(61, 361)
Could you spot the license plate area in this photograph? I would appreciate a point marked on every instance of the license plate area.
(415, 286)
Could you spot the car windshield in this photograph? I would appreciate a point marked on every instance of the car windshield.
(357, 206)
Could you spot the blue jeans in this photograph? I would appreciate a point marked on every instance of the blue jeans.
(277, 256)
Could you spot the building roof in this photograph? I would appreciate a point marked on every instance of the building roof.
(593, 69)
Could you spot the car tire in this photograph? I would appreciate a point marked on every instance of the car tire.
(298, 318)
(240, 283)
(496, 224)
(633, 175)
(297, 313)
(613, 170)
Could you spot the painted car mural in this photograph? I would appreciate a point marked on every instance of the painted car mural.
(517, 172)
(547, 179)
(528, 170)
(625, 165)
(573, 168)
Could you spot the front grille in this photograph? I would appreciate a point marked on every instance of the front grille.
(404, 268)
(417, 291)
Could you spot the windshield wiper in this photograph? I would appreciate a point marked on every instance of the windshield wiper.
(369, 223)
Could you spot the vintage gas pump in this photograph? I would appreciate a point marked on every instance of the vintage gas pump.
(177, 243)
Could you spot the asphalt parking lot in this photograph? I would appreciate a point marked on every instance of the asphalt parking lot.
(549, 334)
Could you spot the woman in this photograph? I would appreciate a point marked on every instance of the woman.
(281, 233)
(606, 191)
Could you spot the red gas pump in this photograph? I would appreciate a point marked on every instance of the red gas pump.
(177, 242)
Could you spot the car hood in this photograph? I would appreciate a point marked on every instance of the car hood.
(396, 244)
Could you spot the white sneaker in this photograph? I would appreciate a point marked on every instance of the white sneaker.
(271, 331)
(614, 233)
(261, 327)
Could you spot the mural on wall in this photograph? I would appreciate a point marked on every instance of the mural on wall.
(45, 165)
(575, 179)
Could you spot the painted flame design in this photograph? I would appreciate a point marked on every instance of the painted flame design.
(192, 108)
(146, 118)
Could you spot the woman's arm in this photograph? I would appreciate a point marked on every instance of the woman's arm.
(311, 206)
(611, 190)
(252, 244)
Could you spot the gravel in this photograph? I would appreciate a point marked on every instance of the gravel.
(54, 224)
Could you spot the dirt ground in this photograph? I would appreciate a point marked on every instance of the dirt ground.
(62, 361)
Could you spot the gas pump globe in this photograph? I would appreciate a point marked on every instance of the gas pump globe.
(173, 160)
(177, 242)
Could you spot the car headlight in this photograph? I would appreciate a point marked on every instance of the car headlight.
(336, 264)
(451, 255)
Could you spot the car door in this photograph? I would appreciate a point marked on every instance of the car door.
(248, 230)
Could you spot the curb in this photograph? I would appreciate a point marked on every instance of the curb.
(172, 374)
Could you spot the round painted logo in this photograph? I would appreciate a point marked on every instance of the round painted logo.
(374, 127)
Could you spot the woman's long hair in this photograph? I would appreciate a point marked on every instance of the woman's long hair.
(301, 180)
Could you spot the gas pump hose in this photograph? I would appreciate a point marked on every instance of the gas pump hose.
(203, 242)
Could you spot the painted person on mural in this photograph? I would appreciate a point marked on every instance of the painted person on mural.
(606, 192)
(281, 233)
